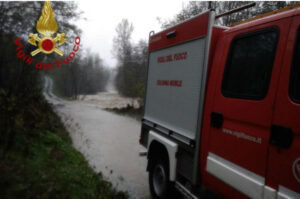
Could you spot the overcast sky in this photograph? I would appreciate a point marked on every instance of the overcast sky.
(103, 17)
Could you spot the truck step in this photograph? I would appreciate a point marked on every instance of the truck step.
(185, 191)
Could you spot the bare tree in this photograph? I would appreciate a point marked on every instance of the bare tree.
(131, 72)
(122, 48)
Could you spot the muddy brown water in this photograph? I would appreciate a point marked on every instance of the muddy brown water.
(107, 140)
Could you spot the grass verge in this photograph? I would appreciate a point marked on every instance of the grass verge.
(42, 162)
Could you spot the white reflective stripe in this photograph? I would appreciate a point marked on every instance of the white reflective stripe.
(171, 148)
(269, 193)
(285, 193)
(245, 181)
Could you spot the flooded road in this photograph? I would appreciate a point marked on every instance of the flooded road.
(108, 141)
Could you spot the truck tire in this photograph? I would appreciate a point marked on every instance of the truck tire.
(160, 186)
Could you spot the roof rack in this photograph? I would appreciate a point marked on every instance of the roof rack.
(236, 10)
(266, 14)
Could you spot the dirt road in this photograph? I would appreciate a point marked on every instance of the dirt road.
(108, 141)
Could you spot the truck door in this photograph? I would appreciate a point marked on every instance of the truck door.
(284, 151)
(246, 84)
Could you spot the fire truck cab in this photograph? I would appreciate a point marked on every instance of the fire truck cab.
(222, 108)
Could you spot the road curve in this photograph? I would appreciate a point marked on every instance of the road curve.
(108, 141)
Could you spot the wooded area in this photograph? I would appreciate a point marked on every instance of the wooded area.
(131, 61)
(37, 159)
(86, 74)
(21, 85)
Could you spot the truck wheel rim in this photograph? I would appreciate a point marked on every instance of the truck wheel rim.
(159, 179)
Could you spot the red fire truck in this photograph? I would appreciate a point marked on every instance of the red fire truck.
(222, 108)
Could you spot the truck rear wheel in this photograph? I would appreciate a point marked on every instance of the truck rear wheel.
(160, 185)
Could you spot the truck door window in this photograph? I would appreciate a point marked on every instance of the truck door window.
(249, 65)
(295, 72)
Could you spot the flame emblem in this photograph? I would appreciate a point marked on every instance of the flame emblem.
(47, 26)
